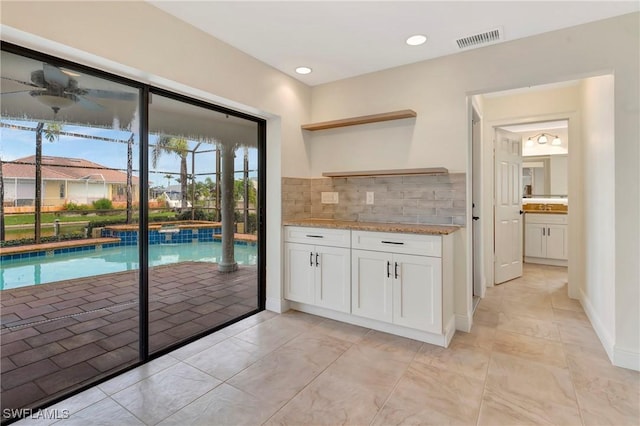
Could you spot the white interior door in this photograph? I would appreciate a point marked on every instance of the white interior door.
(508, 206)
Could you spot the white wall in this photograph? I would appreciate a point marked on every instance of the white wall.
(437, 91)
(559, 184)
(597, 292)
(137, 40)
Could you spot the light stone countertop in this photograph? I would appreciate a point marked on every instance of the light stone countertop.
(546, 211)
(374, 226)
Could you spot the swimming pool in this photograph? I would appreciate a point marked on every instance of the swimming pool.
(66, 266)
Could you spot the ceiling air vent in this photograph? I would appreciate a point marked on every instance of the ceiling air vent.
(480, 39)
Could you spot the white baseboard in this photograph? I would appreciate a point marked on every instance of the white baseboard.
(276, 305)
(449, 331)
(626, 359)
(605, 337)
(422, 336)
(545, 261)
(464, 322)
(620, 357)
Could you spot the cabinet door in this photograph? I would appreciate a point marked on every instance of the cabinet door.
(557, 242)
(333, 278)
(371, 289)
(534, 241)
(299, 272)
(417, 292)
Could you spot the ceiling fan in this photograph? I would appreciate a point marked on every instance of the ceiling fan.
(57, 89)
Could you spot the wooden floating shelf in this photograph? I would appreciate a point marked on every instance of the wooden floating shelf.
(365, 119)
(394, 172)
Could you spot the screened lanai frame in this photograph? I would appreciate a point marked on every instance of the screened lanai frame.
(145, 92)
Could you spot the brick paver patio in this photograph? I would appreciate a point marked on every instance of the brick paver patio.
(57, 336)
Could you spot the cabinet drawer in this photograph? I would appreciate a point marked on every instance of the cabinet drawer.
(318, 236)
(546, 218)
(418, 244)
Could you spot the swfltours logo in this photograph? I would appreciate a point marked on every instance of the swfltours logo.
(44, 414)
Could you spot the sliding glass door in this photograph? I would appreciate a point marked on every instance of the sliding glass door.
(203, 261)
(70, 170)
(130, 224)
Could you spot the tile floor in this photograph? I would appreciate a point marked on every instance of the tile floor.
(531, 358)
(62, 335)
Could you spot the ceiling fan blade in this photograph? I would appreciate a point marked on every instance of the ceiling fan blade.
(88, 104)
(110, 94)
(54, 76)
(21, 82)
(17, 91)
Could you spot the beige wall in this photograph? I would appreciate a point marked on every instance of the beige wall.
(51, 193)
(437, 91)
(597, 293)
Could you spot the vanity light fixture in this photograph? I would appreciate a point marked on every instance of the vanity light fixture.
(416, 40)
(303, 70)
(543, 138)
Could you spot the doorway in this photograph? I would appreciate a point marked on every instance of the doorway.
(476, 233)
(530, 105)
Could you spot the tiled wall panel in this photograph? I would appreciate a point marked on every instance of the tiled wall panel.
(397, 199)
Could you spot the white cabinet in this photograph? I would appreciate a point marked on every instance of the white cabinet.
(316, 273)
(392, 282)
(389, 285)
(546, 239)
(417, 292)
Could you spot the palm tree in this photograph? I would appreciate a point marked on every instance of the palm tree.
(51, 133)
(169, 177)
(180, 147)
(130, 179)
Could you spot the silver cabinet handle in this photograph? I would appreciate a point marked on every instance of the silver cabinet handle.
(548, 232)
(388, 266)
(392, 242)
(315, 236)
(543, 231)
(311, 259)
(395, 270)
(317, 259)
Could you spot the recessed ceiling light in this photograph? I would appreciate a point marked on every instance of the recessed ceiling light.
(416, 40)
(303, 70)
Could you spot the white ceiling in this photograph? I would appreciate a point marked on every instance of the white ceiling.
(341, 39)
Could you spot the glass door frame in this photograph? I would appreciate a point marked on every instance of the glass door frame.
(145, 91)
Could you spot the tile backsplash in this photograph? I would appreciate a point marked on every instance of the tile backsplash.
(429, 199)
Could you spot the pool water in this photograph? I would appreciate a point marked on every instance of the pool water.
(67, 266)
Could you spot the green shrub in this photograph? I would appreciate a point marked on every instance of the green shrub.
(103, 204)
(252, 221)
(70, 206)
(198, 214)
(83, 209)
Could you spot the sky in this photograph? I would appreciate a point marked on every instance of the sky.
(21, 143)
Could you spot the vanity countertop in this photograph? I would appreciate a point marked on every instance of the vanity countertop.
(546, 211)
(374, 226)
